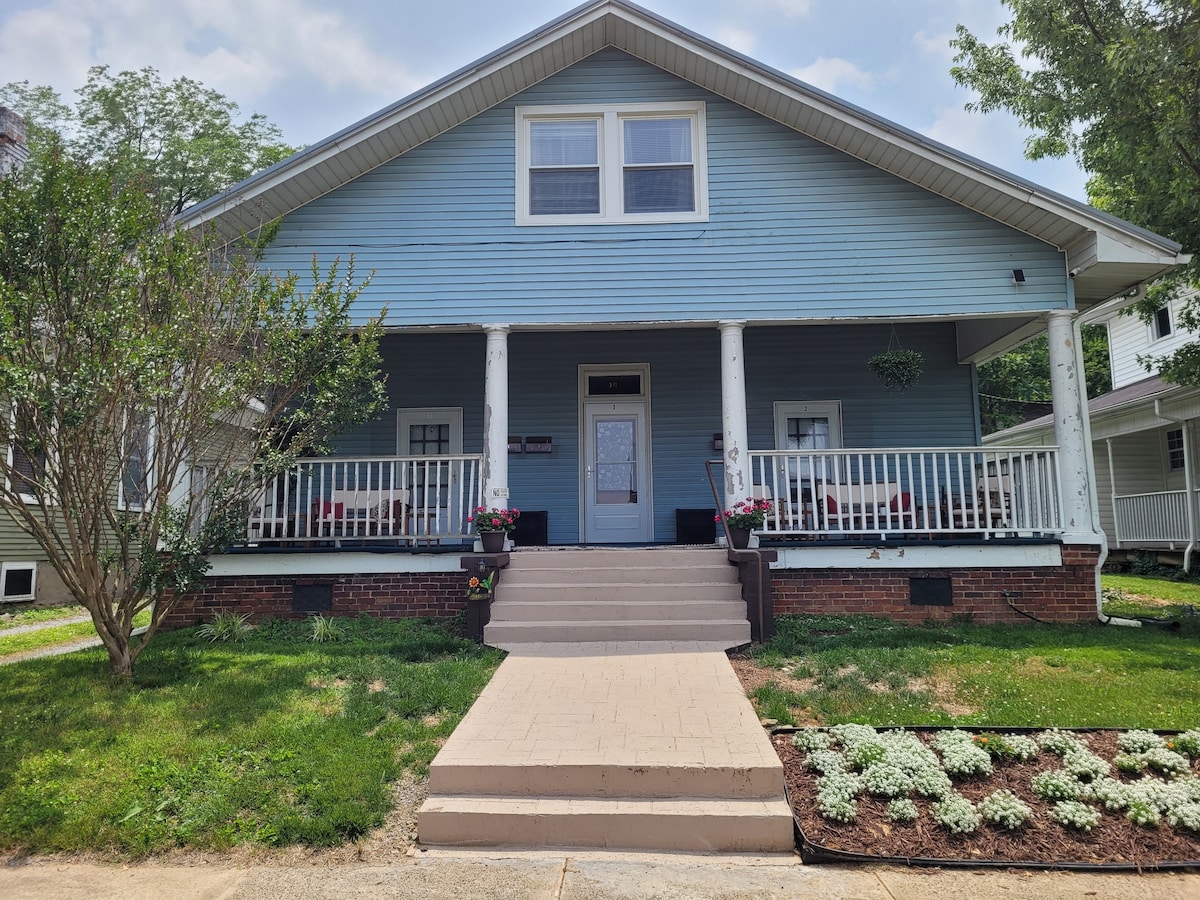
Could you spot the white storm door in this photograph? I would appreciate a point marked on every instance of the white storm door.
(616, 475)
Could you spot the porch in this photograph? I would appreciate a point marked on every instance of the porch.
(416, 503)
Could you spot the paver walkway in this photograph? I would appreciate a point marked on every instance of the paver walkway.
(651, 745)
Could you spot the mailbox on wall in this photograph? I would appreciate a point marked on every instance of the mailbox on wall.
(539, 444)
(514, 443)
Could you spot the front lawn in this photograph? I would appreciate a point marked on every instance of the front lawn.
(54, 635)
(830, 669)
(273, 740)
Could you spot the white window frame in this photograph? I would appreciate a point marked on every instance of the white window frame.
(7, 567)
(1181, 454)
(27, 499)
(610, 150)
(1156, 333)
(149, 462)
(424, 416)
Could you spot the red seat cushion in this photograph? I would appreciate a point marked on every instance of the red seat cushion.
(905, 498)
(831, 504)
(332, 510)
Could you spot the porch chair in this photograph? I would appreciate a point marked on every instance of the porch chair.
(856, 508)
(356, 513)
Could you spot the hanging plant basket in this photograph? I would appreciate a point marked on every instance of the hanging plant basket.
(897, 367)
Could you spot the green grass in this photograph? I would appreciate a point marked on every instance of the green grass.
(273, 740)
(41, 614)
(51, 637)
(1126, 595)
(877, 672)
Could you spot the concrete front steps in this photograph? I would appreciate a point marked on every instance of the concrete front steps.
(643, 746)
(617, 594)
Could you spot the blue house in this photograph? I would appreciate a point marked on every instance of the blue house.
(613, 251)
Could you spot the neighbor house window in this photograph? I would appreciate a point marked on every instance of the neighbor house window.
(137, 478)
(594, 164)
(1175, 456)
(26, 458)
(1162, 322)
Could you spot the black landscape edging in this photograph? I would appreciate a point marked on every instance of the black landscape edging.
(812, 852)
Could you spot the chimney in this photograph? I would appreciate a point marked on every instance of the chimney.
(13, 151)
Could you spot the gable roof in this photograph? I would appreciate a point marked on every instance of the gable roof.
(1105, 255)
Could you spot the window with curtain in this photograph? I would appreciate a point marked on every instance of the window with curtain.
(637, 163)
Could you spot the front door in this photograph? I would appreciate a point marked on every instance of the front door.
(616, 473)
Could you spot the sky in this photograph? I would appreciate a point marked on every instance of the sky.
(315, 67)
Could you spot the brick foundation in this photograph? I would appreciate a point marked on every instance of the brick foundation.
(404, 595)
(1065, 593)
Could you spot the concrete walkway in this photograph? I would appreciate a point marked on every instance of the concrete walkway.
(596, 876)
(642, 745)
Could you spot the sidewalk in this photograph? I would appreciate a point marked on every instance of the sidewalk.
(545, 875)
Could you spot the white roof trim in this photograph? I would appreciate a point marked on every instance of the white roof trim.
(1105, 255)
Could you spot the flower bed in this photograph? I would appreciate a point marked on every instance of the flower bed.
(949, 796)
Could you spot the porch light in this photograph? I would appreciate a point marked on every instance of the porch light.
(1018, 276)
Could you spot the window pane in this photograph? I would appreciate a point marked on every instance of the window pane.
(563, 143)
(564, 191)
(659, 190)
(649, 141)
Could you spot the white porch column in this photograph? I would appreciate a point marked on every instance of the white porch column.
(1066, 382)
(733, 413)
(495, 418)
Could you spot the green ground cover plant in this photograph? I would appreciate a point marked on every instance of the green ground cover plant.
(869, 670)
(57, 635)
(271, 740)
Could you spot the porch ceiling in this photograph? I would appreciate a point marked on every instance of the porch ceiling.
(1106, 255)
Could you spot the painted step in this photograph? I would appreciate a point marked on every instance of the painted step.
(669, 575)
(748, 826)
(663, 593)
(528, 609)
(603, 558)
(730, 632)
(606, 780)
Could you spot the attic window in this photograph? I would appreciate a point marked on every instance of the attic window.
(599, 165)
(1162, 322)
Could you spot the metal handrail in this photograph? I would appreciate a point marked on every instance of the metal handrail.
(729, 549)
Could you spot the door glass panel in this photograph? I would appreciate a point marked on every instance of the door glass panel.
(807, 433)
(616, 461)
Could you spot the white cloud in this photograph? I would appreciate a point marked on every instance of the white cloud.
(240, 48)
(831, 74)
(934, 43)
(739, 39)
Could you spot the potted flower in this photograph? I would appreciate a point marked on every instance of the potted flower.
(745, 517)
(493, 526)
(897, 368)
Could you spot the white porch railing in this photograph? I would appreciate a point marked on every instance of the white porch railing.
(1156, 518)
(385, 499)
(987, 492)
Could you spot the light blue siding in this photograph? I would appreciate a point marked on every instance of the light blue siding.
(797, 230)
(782, 364)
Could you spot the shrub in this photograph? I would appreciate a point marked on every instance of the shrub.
(1004, 808)
(1056, 785)
(957, 813)
(1060, 742)
(324, 630)
(904, 810)
(1075, 814)
(226, 626)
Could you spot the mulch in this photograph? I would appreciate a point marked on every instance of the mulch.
(1115, 841)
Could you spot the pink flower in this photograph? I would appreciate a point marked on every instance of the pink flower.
(496, 522)
(470, 518)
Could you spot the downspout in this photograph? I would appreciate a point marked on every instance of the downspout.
(1187, 480)
(1112, 493)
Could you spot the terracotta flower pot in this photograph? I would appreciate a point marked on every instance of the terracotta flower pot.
(493, 541)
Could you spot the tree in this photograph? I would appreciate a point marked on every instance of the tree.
(130, 353)
(181, 136)
(1013, 385)
(1116, 83)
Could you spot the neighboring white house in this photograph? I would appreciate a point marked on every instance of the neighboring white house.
(1143, 435)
